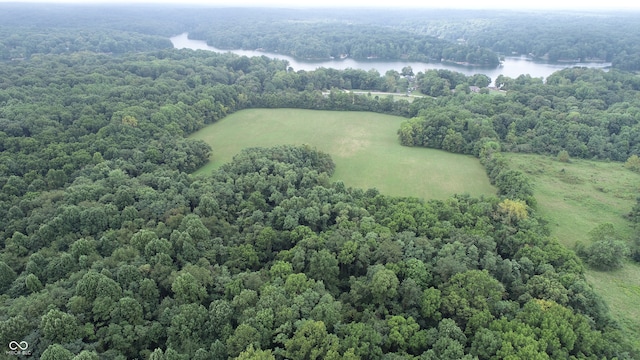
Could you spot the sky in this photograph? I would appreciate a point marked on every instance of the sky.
(458, 4)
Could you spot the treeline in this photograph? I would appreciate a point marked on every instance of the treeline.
(511, 184)
(27, 30)
(444, 82)
(23, 43)
(587, 112)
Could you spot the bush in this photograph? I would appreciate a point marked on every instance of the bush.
(635, 250)
(563, 156)
(633, 163)
(634, 214)
(605, 252)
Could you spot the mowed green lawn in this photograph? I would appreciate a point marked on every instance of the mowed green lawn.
(363, 145)
(575, 197)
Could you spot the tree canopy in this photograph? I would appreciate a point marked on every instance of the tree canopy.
(111, 249)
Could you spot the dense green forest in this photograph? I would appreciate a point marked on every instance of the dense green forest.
(22, 43)
(471, 37)
(325, 39)
(110, 249)
(587, 112)
(308, 35)
(555, 36)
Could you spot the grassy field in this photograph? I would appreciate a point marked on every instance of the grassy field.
(575, 197)
(363, 145)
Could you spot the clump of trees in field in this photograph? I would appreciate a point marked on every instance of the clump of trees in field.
(606, 251)
(634, 216)
(633, 163)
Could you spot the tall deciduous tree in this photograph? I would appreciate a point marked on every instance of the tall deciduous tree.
(56, 352)
(470, 293)
(311, 341)
(59, 327)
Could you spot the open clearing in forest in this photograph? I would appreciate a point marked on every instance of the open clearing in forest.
(363, 145)
(575, 197)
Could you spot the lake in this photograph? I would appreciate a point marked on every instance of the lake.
(511, 66)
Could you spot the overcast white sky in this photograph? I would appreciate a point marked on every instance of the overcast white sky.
(459, 4)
